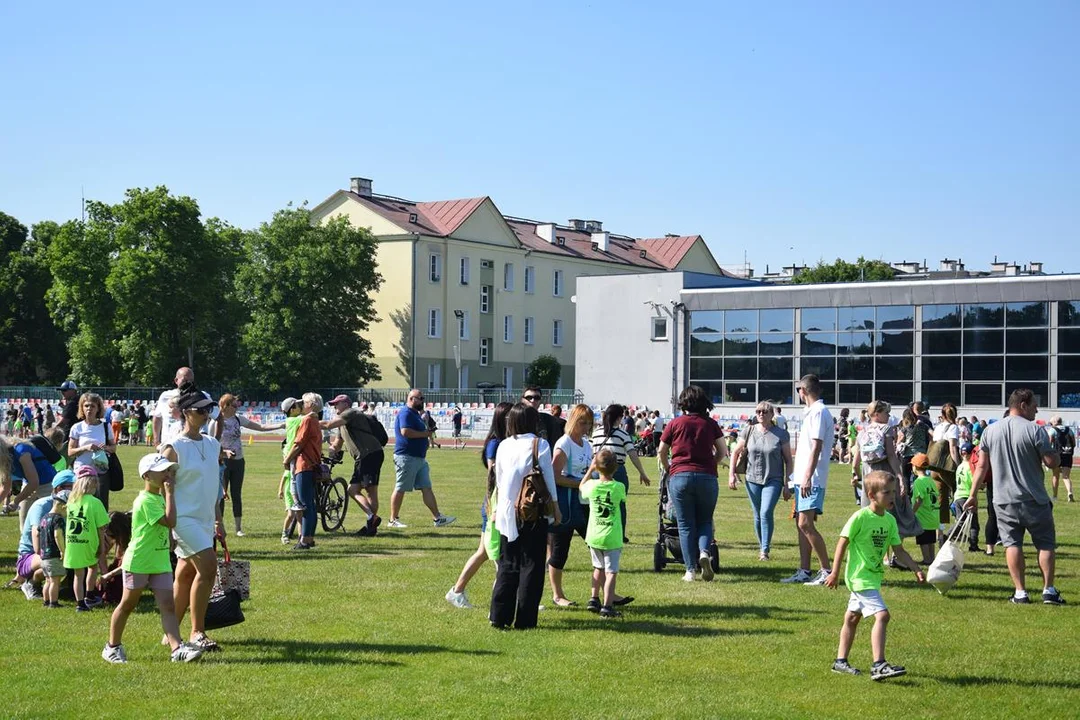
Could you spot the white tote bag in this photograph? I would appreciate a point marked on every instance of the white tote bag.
(945, 570)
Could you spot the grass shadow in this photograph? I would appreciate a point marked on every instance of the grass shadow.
(721, 612)
(334, 653)
(982, 680)
(652, 627)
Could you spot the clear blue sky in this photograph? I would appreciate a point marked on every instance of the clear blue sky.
(792, 132)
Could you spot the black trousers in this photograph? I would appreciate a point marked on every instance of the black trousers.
(992, 535)
(519, 578)
(233, 482)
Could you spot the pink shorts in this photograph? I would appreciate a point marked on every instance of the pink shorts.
(157, 581)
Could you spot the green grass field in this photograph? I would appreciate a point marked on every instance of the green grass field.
(359, 627)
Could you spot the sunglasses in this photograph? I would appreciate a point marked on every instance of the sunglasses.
(532, 398)
(761, 412)
(416, 397)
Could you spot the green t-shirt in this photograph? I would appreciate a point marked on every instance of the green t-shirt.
(148, 551)
(133, 425)
(926, 490)
(605, 530)
(84, 519)
(963, 481)
(292, 424)
(869, 536)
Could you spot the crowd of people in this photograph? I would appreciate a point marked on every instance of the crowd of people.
(547, 479)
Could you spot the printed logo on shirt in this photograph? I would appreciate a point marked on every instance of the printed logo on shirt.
(880, 536)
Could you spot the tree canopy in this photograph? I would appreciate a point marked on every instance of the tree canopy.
(842, 271)
(544, 371)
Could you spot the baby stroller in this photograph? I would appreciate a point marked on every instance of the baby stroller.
(645, 446)
(667, 548)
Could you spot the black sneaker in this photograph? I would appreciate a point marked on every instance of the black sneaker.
(302, 546)
(623, 601)
(1053, 598)
(842, 667)
(81, 607)
(593, 605)
(364, 531)
(884, 671)
(609, 612)
(1019, 601)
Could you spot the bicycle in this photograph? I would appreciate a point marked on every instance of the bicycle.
(331, 496)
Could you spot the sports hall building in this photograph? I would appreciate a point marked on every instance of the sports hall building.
(970, 341)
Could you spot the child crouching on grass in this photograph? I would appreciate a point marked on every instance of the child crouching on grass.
(868, 534)
(146, 560)
(604, 534)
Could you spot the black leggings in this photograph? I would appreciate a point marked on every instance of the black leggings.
(561, 538)
(233, 482)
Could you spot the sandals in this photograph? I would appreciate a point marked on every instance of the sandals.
(564, 604)
(204, 643)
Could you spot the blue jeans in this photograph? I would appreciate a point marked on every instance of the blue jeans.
(694, 497)
(763, 499)
(305, 495)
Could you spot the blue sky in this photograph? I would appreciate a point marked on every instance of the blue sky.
(789, 131)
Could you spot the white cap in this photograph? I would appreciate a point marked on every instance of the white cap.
(154, 461)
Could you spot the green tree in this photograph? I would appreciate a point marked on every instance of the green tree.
(841, 271)
(308, 292)
(544, 371)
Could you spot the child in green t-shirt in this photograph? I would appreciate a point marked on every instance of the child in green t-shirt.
(604, 534)
(292, 409)
(925, 503)
(149, 434)
(85, 538)
(146, 560)
(868, 534)
(133, 430)
(964, 477)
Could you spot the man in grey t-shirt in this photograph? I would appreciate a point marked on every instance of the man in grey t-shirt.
(1012, 452)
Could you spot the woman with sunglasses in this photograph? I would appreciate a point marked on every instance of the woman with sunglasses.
(767, 447)
(198, 519)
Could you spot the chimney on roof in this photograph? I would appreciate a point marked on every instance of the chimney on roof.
(576, 224)
(547, 232)
(600, 239)
(671, 235)
(360, 186)
(594, 226)
(1036, 267)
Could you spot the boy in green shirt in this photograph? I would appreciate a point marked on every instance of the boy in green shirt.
(869, 533)
(604, 534)
(146, 560)
(133, 430)
(925, 503)
(292, 409)
(964, 476)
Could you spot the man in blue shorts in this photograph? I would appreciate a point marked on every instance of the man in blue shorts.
(411, 468)
(809, 479)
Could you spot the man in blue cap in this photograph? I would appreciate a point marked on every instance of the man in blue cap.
(28, 565)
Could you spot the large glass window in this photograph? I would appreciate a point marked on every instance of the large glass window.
(895, 392)
(777, 321)
(727, 349)
(858, 393)
(740, 344)
(818, 319)
(984, 367)
(984, 342)
(1026, 367)
(707, 368)
(895, 342)
(823, 367)
(1027, 342)
(777, 392)
(941, 368)
(1069, 395)
(740, 368)
(939, 393)
(1069, 313)
(744, 321)
(855, 318)
(1041, 391)
(710, 344)
(983, 394)
(1069, 340)
(714, 389)
(740, 392)
(1068, 368)
(854, 343)
(895, 368)
(776, 344)
(939, 317)
(775, 368)
(943, 342)
(855, 368)
(707, 321)
(896, 317)
(991, 315)
(1027, 314)
(819, 344)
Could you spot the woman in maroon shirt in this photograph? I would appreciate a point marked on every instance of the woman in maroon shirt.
(691, 447)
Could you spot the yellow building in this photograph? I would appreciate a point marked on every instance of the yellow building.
(460, 279)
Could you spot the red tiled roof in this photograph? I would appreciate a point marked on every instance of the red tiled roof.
(448, 215)
(438, 219)
(669, 251)
(579, 244)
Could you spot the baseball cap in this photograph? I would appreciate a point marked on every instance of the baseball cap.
(154, 461)
(85, 470)
(68, 385)
(921, 461)
(62, 496)
(64, 477)
(288, 404)
(966, 447)
(194, 401)
(340, 399)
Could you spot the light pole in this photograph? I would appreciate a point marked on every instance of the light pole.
(460, 315)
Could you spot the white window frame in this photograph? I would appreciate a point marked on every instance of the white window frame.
(530, 279)
(557, 333)
(463, 326)
(508, 328)
(508, 376)
(487, 264)
(508, 277)
(463, 271)
(434, 376)
(435, 267)
(485, 352)
(659, 329)
(557, 283)
(434, 323)
(529, 333)
(485, 299)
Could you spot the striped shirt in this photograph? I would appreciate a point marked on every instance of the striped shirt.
(618, 442)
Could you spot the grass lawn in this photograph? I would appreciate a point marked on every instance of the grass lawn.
(359, 627)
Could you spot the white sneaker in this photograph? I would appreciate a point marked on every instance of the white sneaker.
(115, 655)
(444, 520)
(285, 539)
(186, 652)
(705, 563)
(458, 599)
(689, 576)
(31, 592)
(820, 578)
(239, 533)
(801, 576)
(395, 523)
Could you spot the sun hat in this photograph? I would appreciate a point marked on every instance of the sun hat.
(288, 404)
(64, 477)
(155, 461)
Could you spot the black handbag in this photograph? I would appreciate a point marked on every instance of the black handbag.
(116, 470)
(224, 611)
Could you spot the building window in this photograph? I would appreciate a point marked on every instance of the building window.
(487, 264)
(464, 271)
(508, 277)
(508, 376)
(508, 328)
(557, 283)
(556, 333)
(463, 326)
(530, 279)
(485, 352)
(434, 376)
(528, 332)
(434, 323)
(659, 328)
(435, 267)
(485, 299)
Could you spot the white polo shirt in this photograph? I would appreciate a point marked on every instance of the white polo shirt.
(817, 424)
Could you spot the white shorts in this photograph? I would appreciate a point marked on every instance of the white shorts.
(192, 538)
(606, 560)
(867, 602)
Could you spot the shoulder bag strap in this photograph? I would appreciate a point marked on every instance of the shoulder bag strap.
(536, 454)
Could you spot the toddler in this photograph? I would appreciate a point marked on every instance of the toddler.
(49, 545)
(604, 534)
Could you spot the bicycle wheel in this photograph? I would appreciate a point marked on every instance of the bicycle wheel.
(335, 505)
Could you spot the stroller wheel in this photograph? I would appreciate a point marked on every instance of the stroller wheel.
(659, 557)
(714, 557)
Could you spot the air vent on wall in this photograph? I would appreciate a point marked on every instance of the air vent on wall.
(595, 247)
(412, 217)
(643, 253)
(560, 240)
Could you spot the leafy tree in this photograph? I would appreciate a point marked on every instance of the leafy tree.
(544, 371)
(308, 291)
(841, 271)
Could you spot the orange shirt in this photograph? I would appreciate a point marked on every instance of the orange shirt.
(309, 438)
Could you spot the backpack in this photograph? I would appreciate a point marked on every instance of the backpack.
(534, 502)
(1066, 440)
(51, 455)
(378, 430)
(872, 444)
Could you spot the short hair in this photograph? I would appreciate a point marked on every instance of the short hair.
(878, 406)
(606, 462)
(877, 481)
(694, 401)
(1020, 396)
(556, 410)
(1055, 420)
(765, 406)
(919, 407)
(56, 436)
(315, 399)
(580, 414)
(811, 384)
(522, 420)
(94, 398)
(530, 388)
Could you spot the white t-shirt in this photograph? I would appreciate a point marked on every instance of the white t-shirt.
(81, 434)
(946, 431)
(781, 421)
(513, 461)
(658, 424)
(817, 424)
(578, 457)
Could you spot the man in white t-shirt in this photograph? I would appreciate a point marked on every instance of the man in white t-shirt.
(166, 427)
(809, 480)
(779, 420)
